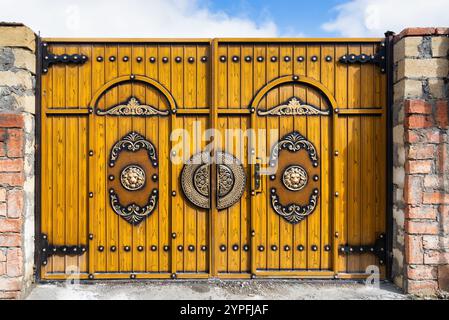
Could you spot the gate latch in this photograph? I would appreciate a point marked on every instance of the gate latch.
(47, 250)
(378, 249)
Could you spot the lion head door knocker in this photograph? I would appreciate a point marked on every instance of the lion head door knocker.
(132, 178)
(231, 180)
(294, 192)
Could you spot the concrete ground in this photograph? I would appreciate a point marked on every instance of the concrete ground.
(218, 290)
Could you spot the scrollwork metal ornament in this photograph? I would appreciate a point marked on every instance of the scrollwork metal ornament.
(292, 212)
(133, 107)
(133, 213)
(293, 107)
(133, 142)
(294, 142)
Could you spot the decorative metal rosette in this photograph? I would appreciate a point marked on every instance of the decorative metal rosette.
(231, 180)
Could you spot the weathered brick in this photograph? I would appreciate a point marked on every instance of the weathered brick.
(11, 179)
(407, 47)
(440, 47)
(3, 134)
(10, 225)
(421, 212)
(18, 37)
(422, 272)
(424, 68)
(418, 166)
(444, 218)
(11, 165)
(15, 143)
(24, 59)
(412, 137)
(2, 149)
(422, 227)
(407, 88)
(9, 295)
(2, 194)
(417, 107)
(11, 284)
(2, 269)
(413, 189)
(443, 158)
(14, 262)
(436, 257)
(433, 136)
(425, 287)
(3, 209)
(419, 151)
(418, 121)
(10, 240)
(432, 181)
(437, 88)
(11, 120)
(15, 203)
(443, 277)
(442, 114)
(414, 253)
(436, 198)
(431, 242)
(2, 255)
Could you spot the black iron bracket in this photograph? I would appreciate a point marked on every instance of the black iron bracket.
(379, 59)
(47, 250)
(49, 59)
(378, 249)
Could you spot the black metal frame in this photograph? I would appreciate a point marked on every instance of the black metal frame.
(389, 63)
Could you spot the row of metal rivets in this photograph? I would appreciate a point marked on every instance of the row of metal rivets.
(153, 59)
(235, 247)
(273, 59)
(299, 248)
(191, 248)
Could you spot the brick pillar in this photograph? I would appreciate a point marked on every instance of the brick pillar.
(421, 166)
(17, 106)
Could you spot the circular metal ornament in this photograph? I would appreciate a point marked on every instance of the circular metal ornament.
(231, 180)
(132, 178)
(295, 178)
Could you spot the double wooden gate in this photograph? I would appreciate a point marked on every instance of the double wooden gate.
(136, 184)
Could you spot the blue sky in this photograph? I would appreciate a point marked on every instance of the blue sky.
(224, 18)
(293, 17)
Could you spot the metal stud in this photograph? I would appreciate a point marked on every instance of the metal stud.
(180, 248)
(91, 153)
(253, 276)
(253, 233)
(274, 248)
(223, 58)
(91, 236)
(140, 248)
(127, 248)
(191, 59)
(300, 59)
(261, 248)
(139, 59)
(203, 248)
(314, 58)
(125, 58)
(336, 153)
(152, 59)
(112, 58)
(235, 247)
(173, 235)
(300, 248)
(328, 58)
(295, 78)
(235, 58)
(191, 248)
(99, 58)
(164, 59)
(173, 275)
(173, 193)
(154, 177)
(315, 191)
(272, 177)
(327, 248)
(287, 59)
(252, 110)
(101, 248)
(132, 77)
(246, 247)
(203, 59)
(178, 59)
(274, 59)
(153, 248)
(111, 178)
(91, 194)
(222, 248)
(286, 248)
(174, 111)
(315, 164)
(337, 110)
(166, 248)
(337, 194)
(133, 276)
(91, 276)
(316, 178)
(314, 248)
(260, 59)
(248, 58)
(113, 248)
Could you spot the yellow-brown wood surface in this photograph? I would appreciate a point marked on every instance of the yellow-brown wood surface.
(213, 92)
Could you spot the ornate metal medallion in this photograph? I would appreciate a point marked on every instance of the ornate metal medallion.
(133, 142)
(293, 107)
(132, 178)
(132, 108)
(295, 178)
(231, 180)
(133, 213)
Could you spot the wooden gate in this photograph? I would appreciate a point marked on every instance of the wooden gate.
(230, 158)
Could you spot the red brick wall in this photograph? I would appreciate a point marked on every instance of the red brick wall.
(11, 204)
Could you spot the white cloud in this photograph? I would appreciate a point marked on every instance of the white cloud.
(131, 18)
(359, 18)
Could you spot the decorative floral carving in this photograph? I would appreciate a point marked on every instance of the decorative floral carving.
(133, 213)
(132, 108)
(132, 178)
(295, 178)
(293, 107)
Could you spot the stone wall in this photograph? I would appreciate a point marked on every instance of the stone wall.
(17, 108)
(421, 166)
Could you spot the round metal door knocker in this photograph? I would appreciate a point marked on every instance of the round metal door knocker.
(231, 180)
(295, 178)
(132, 178)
